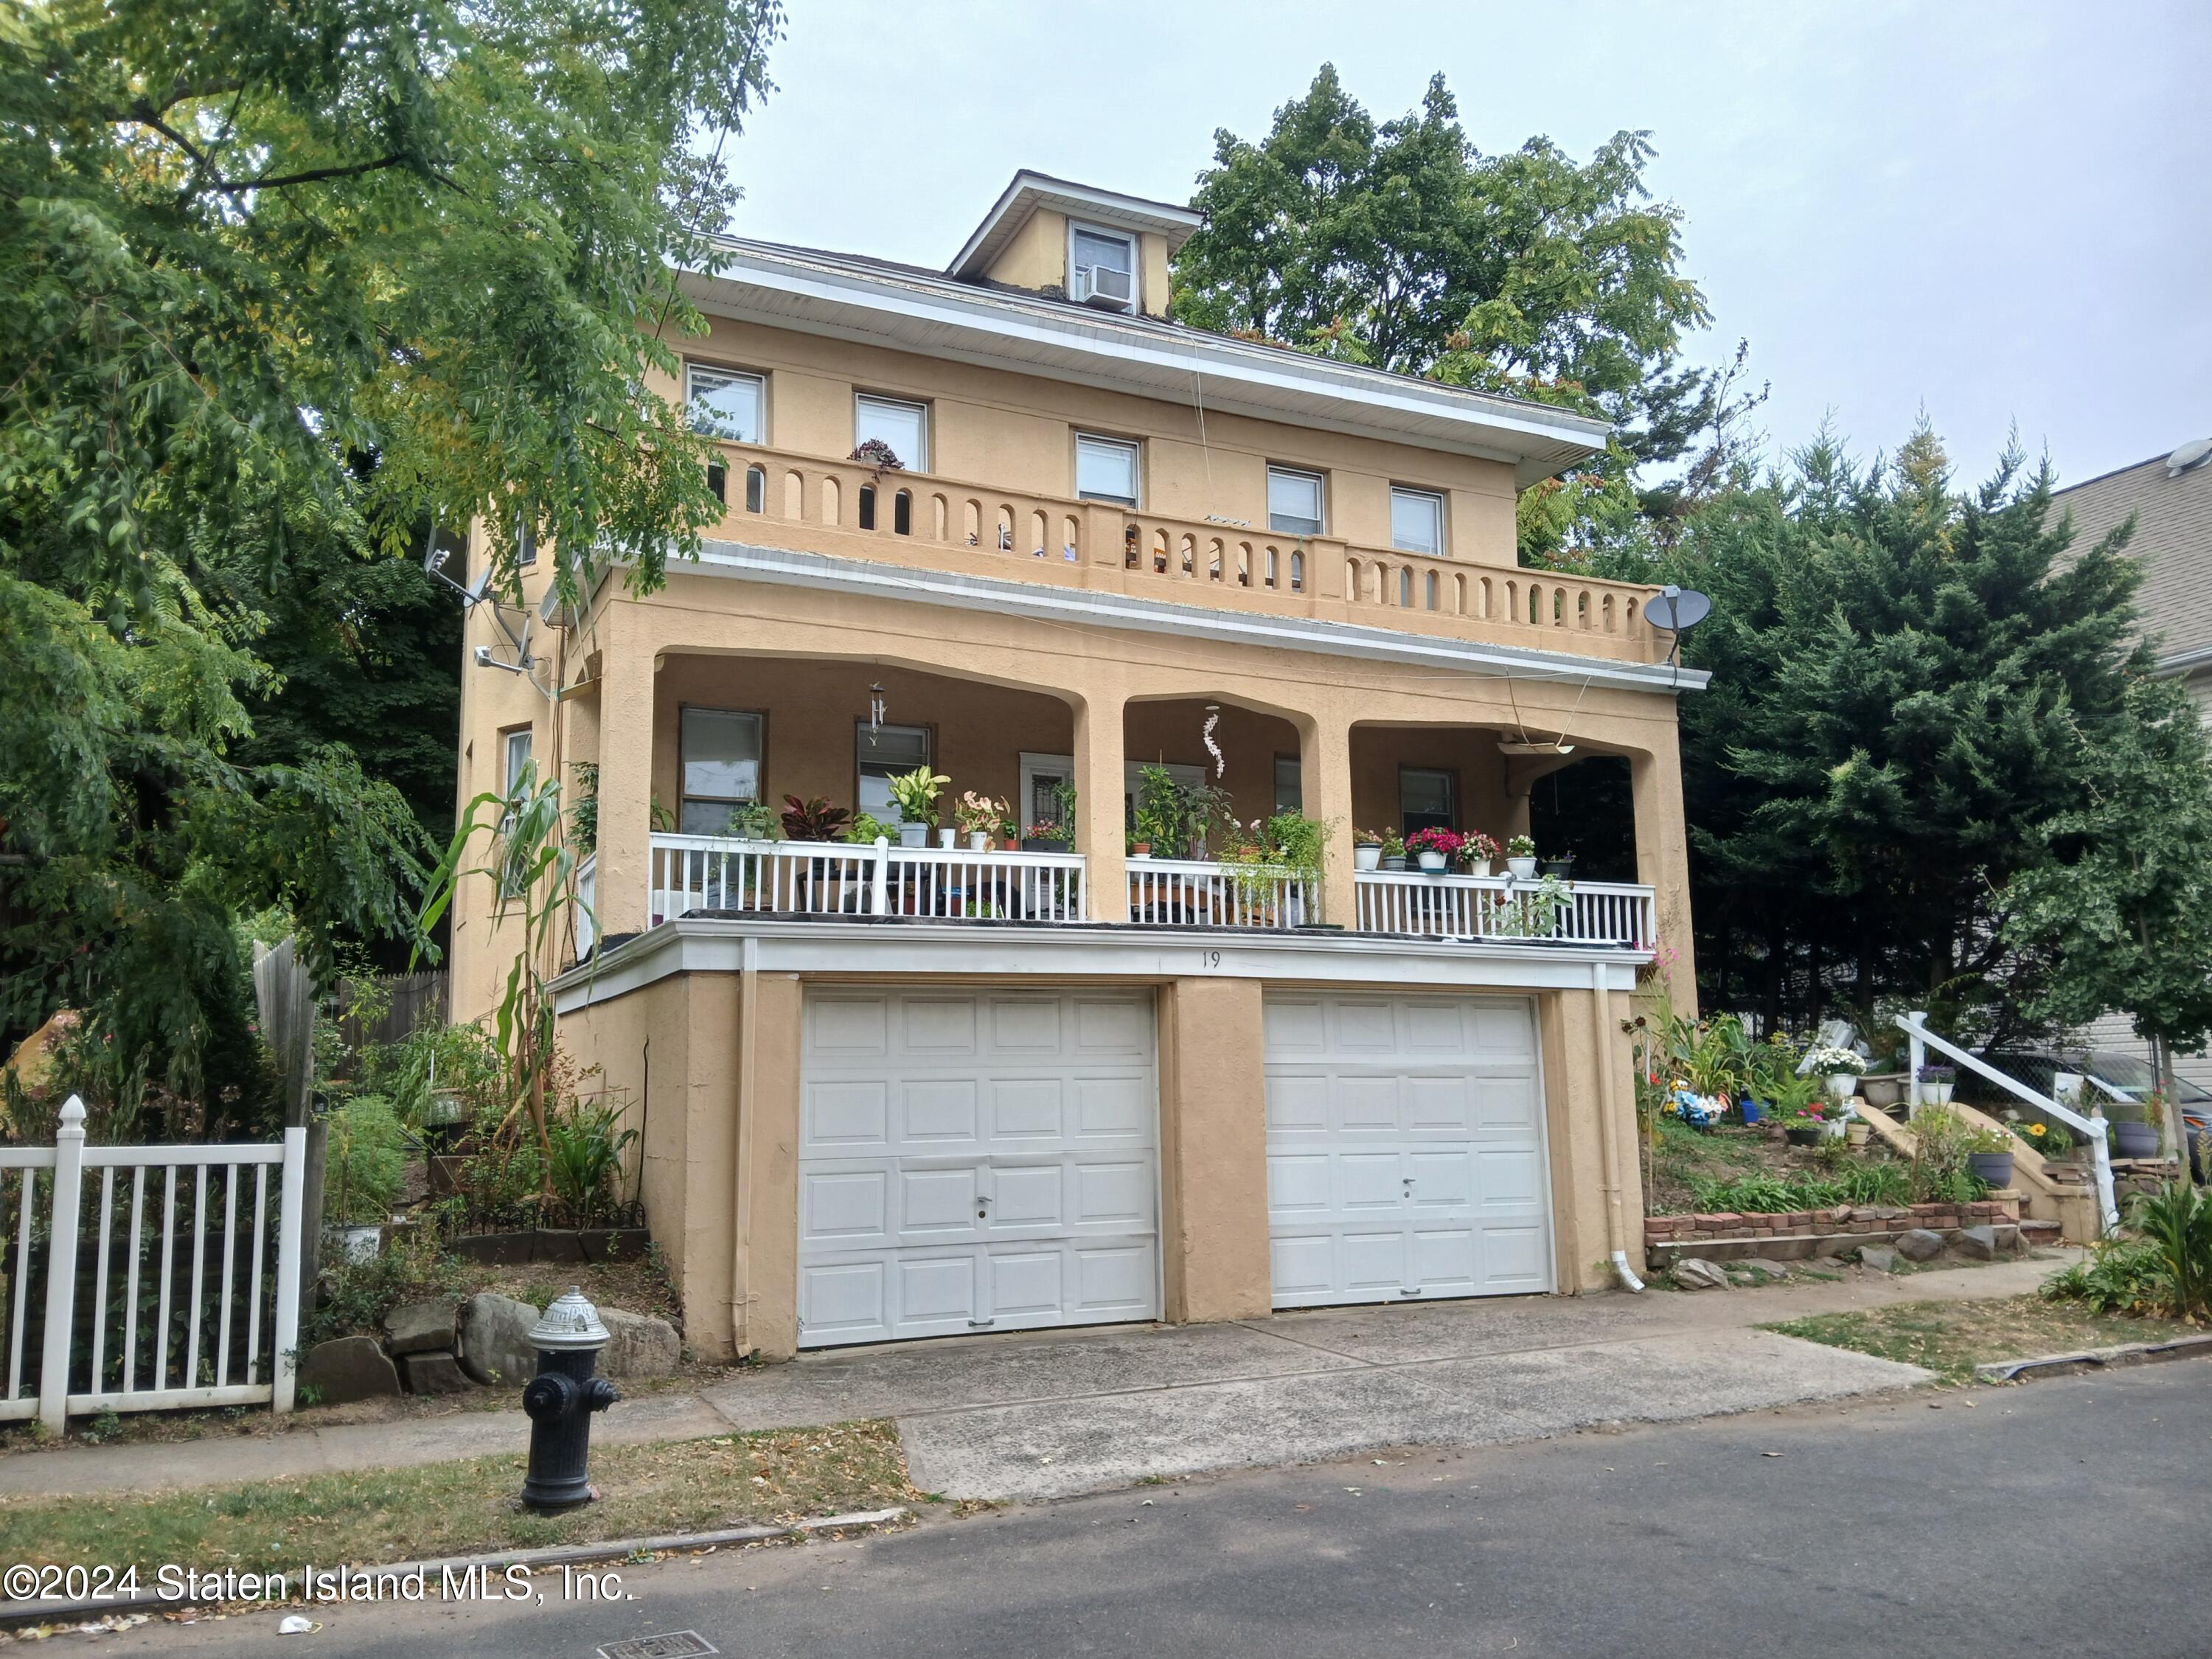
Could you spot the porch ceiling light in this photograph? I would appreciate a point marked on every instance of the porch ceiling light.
(1507, 746)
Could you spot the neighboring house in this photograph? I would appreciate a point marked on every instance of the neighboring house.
(2170, 498)
(938, 1090)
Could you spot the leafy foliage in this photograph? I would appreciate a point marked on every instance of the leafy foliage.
(280, 288)
(365, 1158)
(1886, 1185)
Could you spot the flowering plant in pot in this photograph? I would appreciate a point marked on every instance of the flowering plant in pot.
(978, 817)
(1480, 851)
(1394, 850)
(1435, 847)
(1046, 837)
(879, 454)
(1366, 849)
(1936, 1083)
(1521, 857)
(1989, 1157)
(2138, 1127)
(1841, 1066)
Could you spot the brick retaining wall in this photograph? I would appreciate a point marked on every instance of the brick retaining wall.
(1938, 1217)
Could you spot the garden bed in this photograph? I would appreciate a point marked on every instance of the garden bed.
(1951, 1338)
(1687, 1159)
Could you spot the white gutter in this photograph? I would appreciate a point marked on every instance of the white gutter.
(782, 566)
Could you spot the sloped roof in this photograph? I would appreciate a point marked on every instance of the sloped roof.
(2172, 540)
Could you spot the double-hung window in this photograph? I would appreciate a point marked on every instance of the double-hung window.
(1293, 502)
(1105, 469)
(727, 405)
(882, 753)
(720, 762)
(1104, 268)
(1417, 521)
(1427, 800)
(901, 427)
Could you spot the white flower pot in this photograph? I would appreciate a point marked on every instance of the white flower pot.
(1478, 868)
(979, 840)
(944, 839)
(1520, 869)
(1835, 1127)
(1843, 1085)
(1367, 858)
(913, 835)
(1432, 863)
(1937, 1094)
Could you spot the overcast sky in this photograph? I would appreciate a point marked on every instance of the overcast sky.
(2002, 213)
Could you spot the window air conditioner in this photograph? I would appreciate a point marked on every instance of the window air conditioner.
(1104, 286)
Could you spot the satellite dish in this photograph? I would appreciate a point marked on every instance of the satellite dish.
(1677, 609)
(2191, 454)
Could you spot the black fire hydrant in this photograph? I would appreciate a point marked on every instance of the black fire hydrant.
(560, 1399)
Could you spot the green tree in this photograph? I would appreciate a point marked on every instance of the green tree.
(1403, 246)
(1911, 689)
(279, 285)
(2122, 904)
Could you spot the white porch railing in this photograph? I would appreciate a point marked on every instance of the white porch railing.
(195, 1243)
(810, 877)
(1196, 893)
(1915, 1027)
(1499, 907)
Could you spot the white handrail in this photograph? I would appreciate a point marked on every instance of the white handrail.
(1434, 904)
(1914, 1025)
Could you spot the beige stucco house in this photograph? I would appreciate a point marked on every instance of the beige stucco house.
(893, 1091)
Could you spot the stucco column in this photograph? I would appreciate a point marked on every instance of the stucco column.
(1663, 859)
(1213, 1150)
(1100, 833)
(1325, 783)
(626, 680)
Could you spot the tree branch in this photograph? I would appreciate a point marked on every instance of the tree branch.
(313, 175)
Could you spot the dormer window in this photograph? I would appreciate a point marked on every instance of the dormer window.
(1102, 268)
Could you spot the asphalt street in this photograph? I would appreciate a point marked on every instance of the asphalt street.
(2066, 1515)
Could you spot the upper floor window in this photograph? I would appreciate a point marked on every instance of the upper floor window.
(1102, 268)
(518, 758)
(1417, 521)
(727, 405)
(901, 427)
(1293, 502)
(1427, 800)
(1105, 469)
(881, 753)
(719, 759)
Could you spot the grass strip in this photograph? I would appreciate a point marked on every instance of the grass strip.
(1951, 1338)
(371, 1516)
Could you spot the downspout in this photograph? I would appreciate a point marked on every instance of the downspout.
(1609, 1139)
(741, 1219)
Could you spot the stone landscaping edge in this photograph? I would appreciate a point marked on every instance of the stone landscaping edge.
(13, 1615)
(2089, 1359)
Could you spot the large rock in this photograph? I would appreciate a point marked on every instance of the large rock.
(495, 1339)
(638, 1345)
(1979, 1243)
(1921, 1244)
(1694, 1272)
(347, 1369)
(421, 1326)
(434, 1373)
(1764, 1267)
(1880, 1257)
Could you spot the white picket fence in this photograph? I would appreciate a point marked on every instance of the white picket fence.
(199, 1262)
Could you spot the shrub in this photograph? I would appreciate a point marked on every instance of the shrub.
(366, 1159)
(586, 1149)
(1942, 1141)
(1886, 1185)
(2177, 1222)
(2121, 1276)
(357, 1295)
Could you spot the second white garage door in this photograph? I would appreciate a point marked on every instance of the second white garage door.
(975, 1160)
(1405, 1148)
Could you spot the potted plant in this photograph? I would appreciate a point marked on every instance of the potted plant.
(1366, 849)
(1841, 1066)
(754, 820)
(1562, 865)
(1936, 1083)
(1046, 837)
(812, 819)
(865, 829)
(1435, 847)
(2050, 1140)
(915, 793)
(364, 1162)
(1521, 857)
(978, 817)
(1163, 816)
(1481, 851)
(2137, 1128)
(1394, 850)
(1806, 1127)
(1989, 1157)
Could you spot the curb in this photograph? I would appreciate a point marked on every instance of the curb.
(2092, 1359)
(13, 1615)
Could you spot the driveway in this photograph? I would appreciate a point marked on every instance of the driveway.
(1049, 1415)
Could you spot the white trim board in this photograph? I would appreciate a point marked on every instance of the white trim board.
(878, 950)
(782, 566)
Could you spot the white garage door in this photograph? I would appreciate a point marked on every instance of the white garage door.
(1405, 1148)
(975, 1160)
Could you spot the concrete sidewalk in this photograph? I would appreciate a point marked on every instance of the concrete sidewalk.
(1053, 1412)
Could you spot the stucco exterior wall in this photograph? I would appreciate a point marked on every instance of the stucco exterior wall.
(715, 1057)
